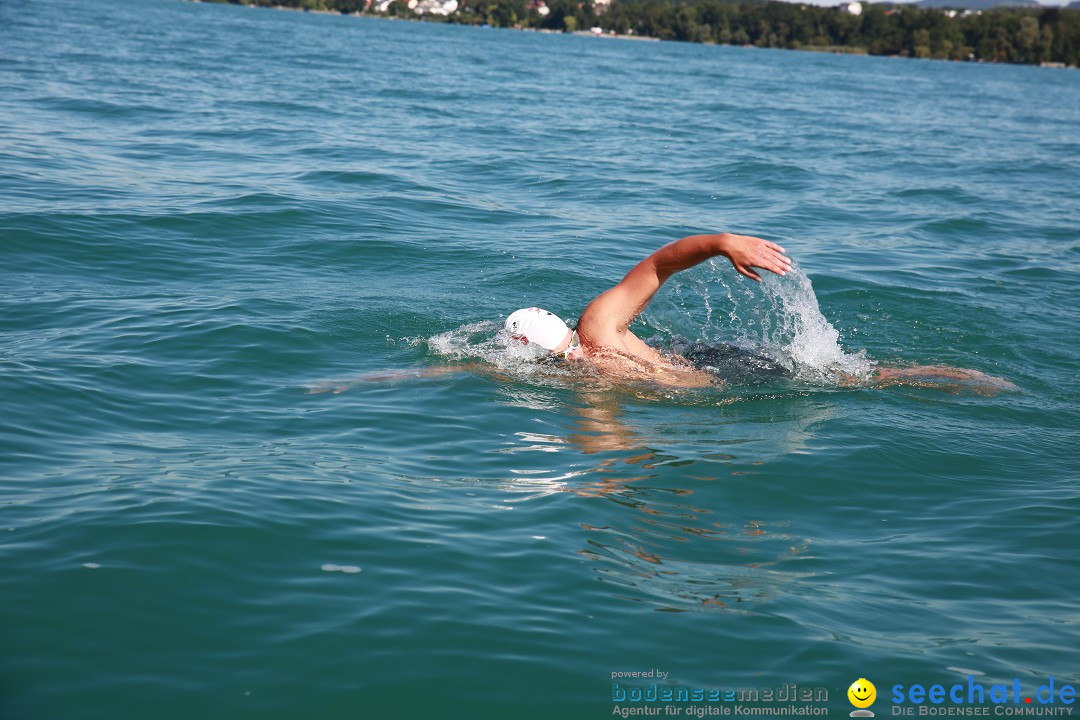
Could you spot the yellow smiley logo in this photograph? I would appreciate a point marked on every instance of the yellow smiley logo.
(862, 693)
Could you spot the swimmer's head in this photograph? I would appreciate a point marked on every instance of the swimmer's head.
(533, 325)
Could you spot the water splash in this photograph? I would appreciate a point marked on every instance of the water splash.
(484, 341)
(779, 317)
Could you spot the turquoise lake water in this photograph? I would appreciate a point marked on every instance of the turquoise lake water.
(208, 213)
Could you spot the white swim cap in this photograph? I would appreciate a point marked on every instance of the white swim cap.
(533, 325)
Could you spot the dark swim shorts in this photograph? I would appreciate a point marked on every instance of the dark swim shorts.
(730, 362)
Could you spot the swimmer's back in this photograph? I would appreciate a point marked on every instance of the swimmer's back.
(729, 362)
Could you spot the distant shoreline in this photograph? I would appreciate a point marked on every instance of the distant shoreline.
(1036, 40)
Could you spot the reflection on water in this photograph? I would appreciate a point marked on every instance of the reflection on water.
(654, 536)
(653, 470)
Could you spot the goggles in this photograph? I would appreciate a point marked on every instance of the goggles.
(574, 345)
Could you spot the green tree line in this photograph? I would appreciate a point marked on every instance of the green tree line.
(1012, 35)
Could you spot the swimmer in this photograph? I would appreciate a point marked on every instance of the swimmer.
(603, 338)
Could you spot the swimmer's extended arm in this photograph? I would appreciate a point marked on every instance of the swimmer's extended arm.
(389, 376)
(606, 319)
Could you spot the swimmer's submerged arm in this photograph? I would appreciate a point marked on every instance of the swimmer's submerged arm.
(606, 319)
(942, 377)
(390, 376)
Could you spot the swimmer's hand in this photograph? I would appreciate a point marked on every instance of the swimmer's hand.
(747, 252)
